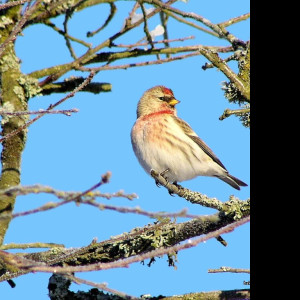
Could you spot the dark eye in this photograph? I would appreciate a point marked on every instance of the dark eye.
(164, 98)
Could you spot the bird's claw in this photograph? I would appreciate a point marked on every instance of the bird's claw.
(177, 185)
(157, 183)
(171, 193)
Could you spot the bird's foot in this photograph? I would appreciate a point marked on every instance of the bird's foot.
(177, 185)
(162, 174)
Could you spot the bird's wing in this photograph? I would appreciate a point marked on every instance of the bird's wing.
(191, 134)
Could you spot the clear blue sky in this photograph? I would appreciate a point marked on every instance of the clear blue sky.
(71, 153)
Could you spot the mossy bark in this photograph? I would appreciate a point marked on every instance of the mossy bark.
(13, 98)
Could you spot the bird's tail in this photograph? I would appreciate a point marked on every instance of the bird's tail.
(233, 181)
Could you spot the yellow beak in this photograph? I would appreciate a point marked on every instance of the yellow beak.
(173, 102)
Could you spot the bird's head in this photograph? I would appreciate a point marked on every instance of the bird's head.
(156, 99)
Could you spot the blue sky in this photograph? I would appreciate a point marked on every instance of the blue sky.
(71, 153)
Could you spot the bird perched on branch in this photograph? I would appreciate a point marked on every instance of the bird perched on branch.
(165, 143)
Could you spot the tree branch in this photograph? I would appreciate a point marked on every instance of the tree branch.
(223, 67)
(66, 112)
(59, 286)
(229, 269)
(113, 10)
(57, 71)
(229, 112)
(13, 3)
(30, 245)
(138, 245)
(193, 197)
(70, 84)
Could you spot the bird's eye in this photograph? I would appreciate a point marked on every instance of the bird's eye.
(164, 98)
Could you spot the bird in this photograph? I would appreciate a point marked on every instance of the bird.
(167, 144)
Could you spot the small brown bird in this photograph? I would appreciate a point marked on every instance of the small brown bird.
(165, 143)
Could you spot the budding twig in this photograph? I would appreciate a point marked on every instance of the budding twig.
(87, 198)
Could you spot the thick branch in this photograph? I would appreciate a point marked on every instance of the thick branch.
(59, 285)
(111, 253)
(243, 294)
(71, 84)
(13, 99)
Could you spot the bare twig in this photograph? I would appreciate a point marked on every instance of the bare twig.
(179, 19)
(57, 71)
(70, 198)
(13, 3)
(63, 33)
(164, 21)
(229, 112)
(113, 10)
(146, 30)
(128, 21)
(101, 286)
(87, 81)
(38, 189)
(66, 112)
(235, 20)
(229, 270)
(65, 24)
(131, 65)
(167, 8)
(30, 245)
(219, 29)
(113, 56)
(29, 10)
(104, 179)
(87, 198)
(165, 41)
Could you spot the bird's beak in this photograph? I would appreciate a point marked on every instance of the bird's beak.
(173, 102)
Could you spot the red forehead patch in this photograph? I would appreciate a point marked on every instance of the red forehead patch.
(167, 91)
